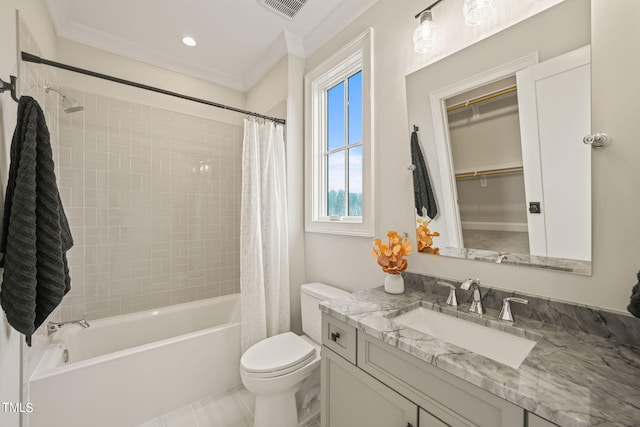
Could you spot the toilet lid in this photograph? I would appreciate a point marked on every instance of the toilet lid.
(280, 352)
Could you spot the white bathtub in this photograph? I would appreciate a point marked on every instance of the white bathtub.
(129, 369)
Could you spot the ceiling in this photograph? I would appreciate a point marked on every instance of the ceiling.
(238, 40)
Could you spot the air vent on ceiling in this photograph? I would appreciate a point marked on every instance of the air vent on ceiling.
(286, 8)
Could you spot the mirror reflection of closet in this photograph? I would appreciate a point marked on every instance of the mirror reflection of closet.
(484, 134)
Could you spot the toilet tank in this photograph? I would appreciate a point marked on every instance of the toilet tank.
(312, 294)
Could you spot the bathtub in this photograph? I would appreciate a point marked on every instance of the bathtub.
(126, 370)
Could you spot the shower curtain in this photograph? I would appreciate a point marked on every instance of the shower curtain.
(264, 249)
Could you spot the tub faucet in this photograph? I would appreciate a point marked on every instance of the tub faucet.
(476, 305)
(53, 327)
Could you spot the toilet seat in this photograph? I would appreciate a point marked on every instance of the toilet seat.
(277, 355)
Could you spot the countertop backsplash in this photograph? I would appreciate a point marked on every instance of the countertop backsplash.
(619, 327)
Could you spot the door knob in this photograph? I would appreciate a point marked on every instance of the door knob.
(597, 140)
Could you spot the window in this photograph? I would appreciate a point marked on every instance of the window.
(339, 142)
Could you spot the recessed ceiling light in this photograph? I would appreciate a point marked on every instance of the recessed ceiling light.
(189, 41)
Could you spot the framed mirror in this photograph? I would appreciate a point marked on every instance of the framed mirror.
(502, 141)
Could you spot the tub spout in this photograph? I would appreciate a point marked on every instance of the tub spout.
(53, 327)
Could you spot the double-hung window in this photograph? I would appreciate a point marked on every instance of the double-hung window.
(339, 142)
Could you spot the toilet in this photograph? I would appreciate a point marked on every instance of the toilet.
(276, 369)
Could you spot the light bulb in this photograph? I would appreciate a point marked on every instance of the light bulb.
(477, 11)
(426, 36)
(189, 41)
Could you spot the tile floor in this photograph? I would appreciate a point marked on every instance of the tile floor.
(499, 241)
(231, 408)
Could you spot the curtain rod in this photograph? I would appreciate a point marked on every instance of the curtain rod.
(27, 57)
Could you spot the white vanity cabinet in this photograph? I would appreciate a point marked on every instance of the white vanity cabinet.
(370, 383)
(428, 420)
(351, 398)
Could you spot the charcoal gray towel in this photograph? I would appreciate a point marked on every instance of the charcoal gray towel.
(35, 231)
(422, 191)
(634, 301)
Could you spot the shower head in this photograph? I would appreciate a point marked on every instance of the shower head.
(69, 105)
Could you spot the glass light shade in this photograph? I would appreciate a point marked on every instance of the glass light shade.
(426, 36)
(477, 11)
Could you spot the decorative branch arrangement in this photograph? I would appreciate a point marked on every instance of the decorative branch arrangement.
(391, 256)
(425, 237)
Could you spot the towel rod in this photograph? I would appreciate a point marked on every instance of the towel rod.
(4, 86)
(27, 57)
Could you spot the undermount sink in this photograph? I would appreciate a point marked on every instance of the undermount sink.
(500, 346)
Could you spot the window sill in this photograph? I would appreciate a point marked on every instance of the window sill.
(345, 227)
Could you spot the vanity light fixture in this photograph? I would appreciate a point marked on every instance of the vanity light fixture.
(426, 37)
(189, 41)
(477, 11)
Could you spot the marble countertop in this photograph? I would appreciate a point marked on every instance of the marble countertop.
(570, 378)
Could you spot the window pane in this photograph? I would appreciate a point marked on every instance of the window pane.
(335, 117)
(355, 108)
(355, 181)
(336, 180)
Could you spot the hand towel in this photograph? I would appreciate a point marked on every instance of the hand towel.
(422, 191)
(36, 234)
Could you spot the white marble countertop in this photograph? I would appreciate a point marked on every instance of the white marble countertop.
(570, 378)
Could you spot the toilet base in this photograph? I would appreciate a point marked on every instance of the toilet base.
(276, 410)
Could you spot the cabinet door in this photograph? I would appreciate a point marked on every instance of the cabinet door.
(428, 420)
(351, 398)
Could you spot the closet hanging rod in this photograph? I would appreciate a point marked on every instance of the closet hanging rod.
(489, 172)
(27, 57)
(482, 98)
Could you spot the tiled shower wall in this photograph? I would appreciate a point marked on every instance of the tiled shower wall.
(153, 199)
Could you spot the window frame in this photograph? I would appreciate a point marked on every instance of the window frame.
(355, 56)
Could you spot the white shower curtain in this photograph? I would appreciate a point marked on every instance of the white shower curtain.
(264, 249)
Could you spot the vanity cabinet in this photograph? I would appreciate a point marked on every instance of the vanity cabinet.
(351, 398)
(428, 420)
(450, 399)
(370, 383)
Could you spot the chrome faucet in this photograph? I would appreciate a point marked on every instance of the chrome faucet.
(502, 257)
(505, 313)
(53, 327)
(476, 305)
(451, 300)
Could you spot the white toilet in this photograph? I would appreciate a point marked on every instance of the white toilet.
(276, 368)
